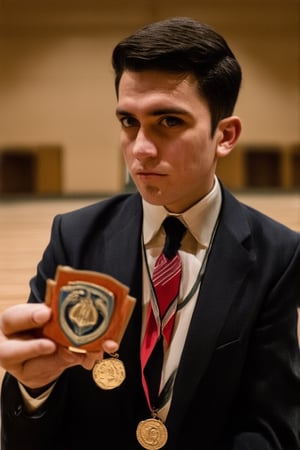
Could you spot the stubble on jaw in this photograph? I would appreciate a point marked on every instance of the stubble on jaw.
(152, 194)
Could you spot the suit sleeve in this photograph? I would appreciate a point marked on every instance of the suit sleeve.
(43, 429)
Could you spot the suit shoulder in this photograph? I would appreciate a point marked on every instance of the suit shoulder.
(109, 207)
(268, 224)
(265, 231)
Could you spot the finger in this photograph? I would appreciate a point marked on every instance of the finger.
(68, 357)
(90, 358)
(110, 346)
(13, 351)
(24, 317)
(40, 371)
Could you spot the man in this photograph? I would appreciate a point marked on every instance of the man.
(230, 377)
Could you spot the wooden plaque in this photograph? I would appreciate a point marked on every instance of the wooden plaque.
(87, 308)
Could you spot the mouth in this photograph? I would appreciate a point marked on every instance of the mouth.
(149, 177)
(148, 173)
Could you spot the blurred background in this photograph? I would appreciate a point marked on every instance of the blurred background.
(58, 132)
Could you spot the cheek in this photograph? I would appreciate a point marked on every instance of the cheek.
(126, 156)
(197, 160)
(125, 145)
(123, 141)
(189, 155)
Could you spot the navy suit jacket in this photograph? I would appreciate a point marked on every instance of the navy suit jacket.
(238, 382)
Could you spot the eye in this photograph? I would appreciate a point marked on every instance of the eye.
(128, 122)
(171, 121)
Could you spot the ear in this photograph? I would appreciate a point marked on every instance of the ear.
(228, 132)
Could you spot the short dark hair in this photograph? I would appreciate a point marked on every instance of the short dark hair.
(184, 45)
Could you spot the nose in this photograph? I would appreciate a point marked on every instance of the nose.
(144, 146)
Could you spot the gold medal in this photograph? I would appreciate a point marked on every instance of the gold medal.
(109, 373)
(152, 434)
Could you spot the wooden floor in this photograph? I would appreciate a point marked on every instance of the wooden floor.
(25, 227)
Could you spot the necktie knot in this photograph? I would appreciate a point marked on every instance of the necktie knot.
(175, 231)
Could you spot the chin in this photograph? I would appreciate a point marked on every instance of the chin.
(153, 196)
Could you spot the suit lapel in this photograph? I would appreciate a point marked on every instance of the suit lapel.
(122, 242)
(228, 265)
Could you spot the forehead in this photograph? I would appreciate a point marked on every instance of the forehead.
(151, 87)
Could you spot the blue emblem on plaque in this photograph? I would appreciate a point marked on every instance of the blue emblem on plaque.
(85, 311)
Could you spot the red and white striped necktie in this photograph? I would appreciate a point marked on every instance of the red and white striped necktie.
(161, 312)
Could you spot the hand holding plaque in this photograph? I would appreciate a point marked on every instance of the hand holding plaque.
(87, 308)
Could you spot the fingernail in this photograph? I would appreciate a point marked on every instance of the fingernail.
(41, 315)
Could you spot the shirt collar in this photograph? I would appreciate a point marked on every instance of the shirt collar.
(200, 219)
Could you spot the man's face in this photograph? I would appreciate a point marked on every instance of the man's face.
(166, 138)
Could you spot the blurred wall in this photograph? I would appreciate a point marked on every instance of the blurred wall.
(56, 82)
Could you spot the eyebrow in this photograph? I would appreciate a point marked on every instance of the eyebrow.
(155, 112)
